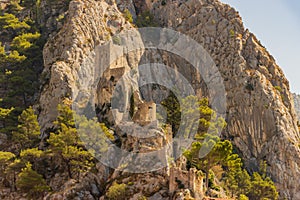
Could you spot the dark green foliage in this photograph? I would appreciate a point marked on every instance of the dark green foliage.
(4, 117)
(30, 182)
(66, 145)
(198, 115)
(66, 117)
(238, 181)
(180, 184)
(8, 122)
(95, 135)
(249, 87)
(14, 7)
(210, 151)
(218, 155)
(32, 155)
(6, 159)
(256, 187)
(64, 148)
(20, 60)
(28, 3)
(262, 188)
(23, 42)
(132, 106)
(145, 19)
(28, 132)
(172, 106)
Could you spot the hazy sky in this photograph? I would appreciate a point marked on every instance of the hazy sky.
(276, 23)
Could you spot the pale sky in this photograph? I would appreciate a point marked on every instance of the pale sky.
(276, 23)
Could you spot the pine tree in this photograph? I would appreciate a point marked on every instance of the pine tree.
(65, 116)
(12, 170)
(66, 146)
(238, 182)
(218, 155)
(95, 135)
(28, 132)
(30, 182)
(262, 187)
(172, 105)
(31, 155)
(4, 116)
(8, 121)
(5, 159)
(23, 42)
(21, 61)
(11, 22)
(14, 7)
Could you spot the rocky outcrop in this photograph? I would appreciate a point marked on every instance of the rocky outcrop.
(296, 98)
(87, 24)
(260, 113)
(51, 15)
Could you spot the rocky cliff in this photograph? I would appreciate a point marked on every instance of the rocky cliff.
(296, 98)
(260, 113)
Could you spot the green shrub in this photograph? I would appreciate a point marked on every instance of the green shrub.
(60, 18)
(142, 198)
(130, 183)
(145, 19)
(262, 187)
(243, 197)
(232, 33)
(116, 191)
(278, 88)
(127, 15)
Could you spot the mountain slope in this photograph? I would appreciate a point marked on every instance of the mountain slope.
(260, 116)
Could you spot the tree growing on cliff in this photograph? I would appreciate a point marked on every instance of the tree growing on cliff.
(5, 159)
(28, 132)
(262, 187)
(30, 182)
(219, 154)
(66, 147)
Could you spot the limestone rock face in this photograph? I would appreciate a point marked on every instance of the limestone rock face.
(87, 24)
(296, 98)
(260, 112)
